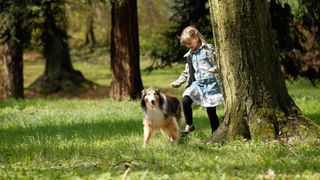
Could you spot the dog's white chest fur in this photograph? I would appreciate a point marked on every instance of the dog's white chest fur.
(155, 116)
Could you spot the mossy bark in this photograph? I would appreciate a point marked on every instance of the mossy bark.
(257, 103)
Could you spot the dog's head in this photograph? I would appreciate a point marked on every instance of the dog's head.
(151, 98)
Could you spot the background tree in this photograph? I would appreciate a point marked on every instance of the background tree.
(59, 74)
(90, 39)
(185, 13)
(15, 33)
(297, 38)
(125, 62)
(257, 103)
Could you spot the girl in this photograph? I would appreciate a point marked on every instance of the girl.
(202, 82)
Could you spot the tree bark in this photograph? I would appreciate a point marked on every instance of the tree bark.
(125, 63)
(15, 34)
(257, 103)
(13, 70)
(59, 74)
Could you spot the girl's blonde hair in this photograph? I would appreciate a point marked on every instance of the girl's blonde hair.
(191, 32)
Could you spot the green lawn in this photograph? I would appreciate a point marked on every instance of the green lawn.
(56, 138)
(307, 98)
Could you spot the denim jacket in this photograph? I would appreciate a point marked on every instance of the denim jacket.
(207, 55)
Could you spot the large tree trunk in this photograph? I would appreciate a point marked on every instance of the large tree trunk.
(126, 78)
(257, 103)
(13, 70)
(59, 74)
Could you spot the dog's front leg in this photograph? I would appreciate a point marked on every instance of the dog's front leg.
(172, 131)
(148, 132)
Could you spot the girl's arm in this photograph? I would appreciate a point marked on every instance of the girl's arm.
(211, 54)
(213, 69)
(182, 78)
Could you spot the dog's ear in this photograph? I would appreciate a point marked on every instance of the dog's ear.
(161, 99)
(143, 103)
(143, 93)
(158, 92)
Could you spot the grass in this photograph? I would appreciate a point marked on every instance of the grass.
(306, 97)
(57, 138)
(63, 138)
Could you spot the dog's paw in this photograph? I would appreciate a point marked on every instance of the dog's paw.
(144, 145)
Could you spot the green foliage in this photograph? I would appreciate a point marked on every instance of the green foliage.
(299, 8)
(78, 13)
(185, 13)
(15, 26)
(297, 37)
(294, 5)
(53, 31)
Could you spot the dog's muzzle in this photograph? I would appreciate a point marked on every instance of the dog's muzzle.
(152, 103)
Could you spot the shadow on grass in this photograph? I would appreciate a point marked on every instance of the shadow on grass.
(56, 144)
(102, 129)
(66, 141)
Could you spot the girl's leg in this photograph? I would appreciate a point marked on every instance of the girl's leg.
(213, 117)
(187, 110)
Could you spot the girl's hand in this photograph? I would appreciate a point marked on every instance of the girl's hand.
(172, 85)
(213, 69)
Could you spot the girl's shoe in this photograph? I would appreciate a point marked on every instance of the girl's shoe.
(188, 129)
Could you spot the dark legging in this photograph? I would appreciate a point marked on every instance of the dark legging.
(187, 110)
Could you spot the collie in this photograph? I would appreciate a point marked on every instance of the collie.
(161, 112)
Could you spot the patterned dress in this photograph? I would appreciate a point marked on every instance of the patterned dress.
(203, 86)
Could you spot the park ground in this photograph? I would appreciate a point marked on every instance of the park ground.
(91, 136)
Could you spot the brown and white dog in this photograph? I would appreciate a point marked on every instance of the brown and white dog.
(161, 112)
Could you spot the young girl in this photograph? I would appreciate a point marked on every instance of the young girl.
(202, 82)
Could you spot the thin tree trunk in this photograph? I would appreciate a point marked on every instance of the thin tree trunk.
(90, 37)
(13, 70)
(257, 105)
(15, 33)
(126, 79)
